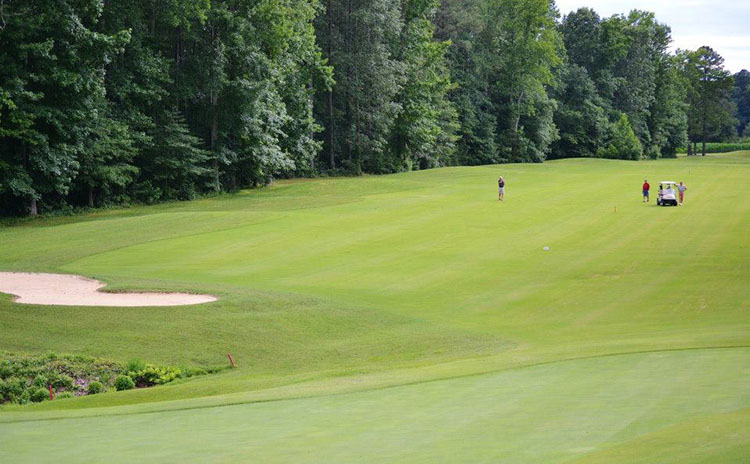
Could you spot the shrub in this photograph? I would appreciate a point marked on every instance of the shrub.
(64, 395)
(14, 388)
(37, 394)
(6, 370)
(623, 143)
(135, 365)
(61, 380)
(154, 375)
(40, 381)
(23, 398)
(95, 387)
(123, 382)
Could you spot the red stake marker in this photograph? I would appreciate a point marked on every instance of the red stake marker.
(51, 395)
(231, 360)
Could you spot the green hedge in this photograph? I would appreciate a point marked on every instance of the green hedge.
(721, 147)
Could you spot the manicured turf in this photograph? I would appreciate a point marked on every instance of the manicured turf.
(332, 289)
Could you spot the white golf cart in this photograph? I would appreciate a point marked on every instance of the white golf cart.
(667, 195)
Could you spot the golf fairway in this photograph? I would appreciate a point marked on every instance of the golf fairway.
(409, 318)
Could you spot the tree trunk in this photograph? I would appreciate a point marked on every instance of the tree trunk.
(91, 196)
(153, 17)
(178, 46)
(214, 137)
(33, 210)
(690, 148)
(331, 122)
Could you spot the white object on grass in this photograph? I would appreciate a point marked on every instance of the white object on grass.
(545, 248)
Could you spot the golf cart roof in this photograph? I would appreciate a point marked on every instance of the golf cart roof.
(668, 182)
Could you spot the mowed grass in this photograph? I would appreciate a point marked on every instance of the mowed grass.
(411, 318)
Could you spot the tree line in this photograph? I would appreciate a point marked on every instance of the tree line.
(105, 102)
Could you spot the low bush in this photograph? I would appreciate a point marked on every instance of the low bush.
(22, 377)
(154, 375)
(135, 365)
(38, 394)
(40, 381)
(95, 388)
(124, 382)
(14, 388)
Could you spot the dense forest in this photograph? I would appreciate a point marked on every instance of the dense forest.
(107, 102)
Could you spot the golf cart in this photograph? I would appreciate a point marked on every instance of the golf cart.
(667, 193)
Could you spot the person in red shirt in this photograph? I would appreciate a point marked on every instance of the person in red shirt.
(646, 188)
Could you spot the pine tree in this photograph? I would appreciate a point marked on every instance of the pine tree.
(175, 167)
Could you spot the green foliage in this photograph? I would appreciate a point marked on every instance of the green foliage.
(23, 376)
(626, 58)
(40, 380)
(135, 365)
(623, 144)
(581, 119)
(124, 382)
(723, 147)
(95, 387)
(711, 110)
(425, 128)
(520, 48)
(174, 167)
(51, 75)
(360, 39)
(741, 98)
(154, 375)
(38, 394)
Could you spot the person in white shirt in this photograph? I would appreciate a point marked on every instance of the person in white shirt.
(681, 188)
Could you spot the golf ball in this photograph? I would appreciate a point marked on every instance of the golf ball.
(545, 248)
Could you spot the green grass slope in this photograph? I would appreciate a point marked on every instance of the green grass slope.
(629, 334)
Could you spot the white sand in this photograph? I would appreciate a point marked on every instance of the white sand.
(72, 290)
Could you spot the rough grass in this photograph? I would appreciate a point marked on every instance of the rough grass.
(350, 285)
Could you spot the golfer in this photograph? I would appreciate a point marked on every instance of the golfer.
(646, 188)
(501, 189)
(681, 190)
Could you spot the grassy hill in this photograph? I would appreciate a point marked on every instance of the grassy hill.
(410, 318)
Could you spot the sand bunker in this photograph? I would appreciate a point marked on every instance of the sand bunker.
(71, 290)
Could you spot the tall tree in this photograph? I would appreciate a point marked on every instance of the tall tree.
(362, 37)
(424, 132)
(711, 111)
(175, 167)
(459, 21)
(580, 117)
(741, 96)
(106, 160)
(51, 72)
(521, 48)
